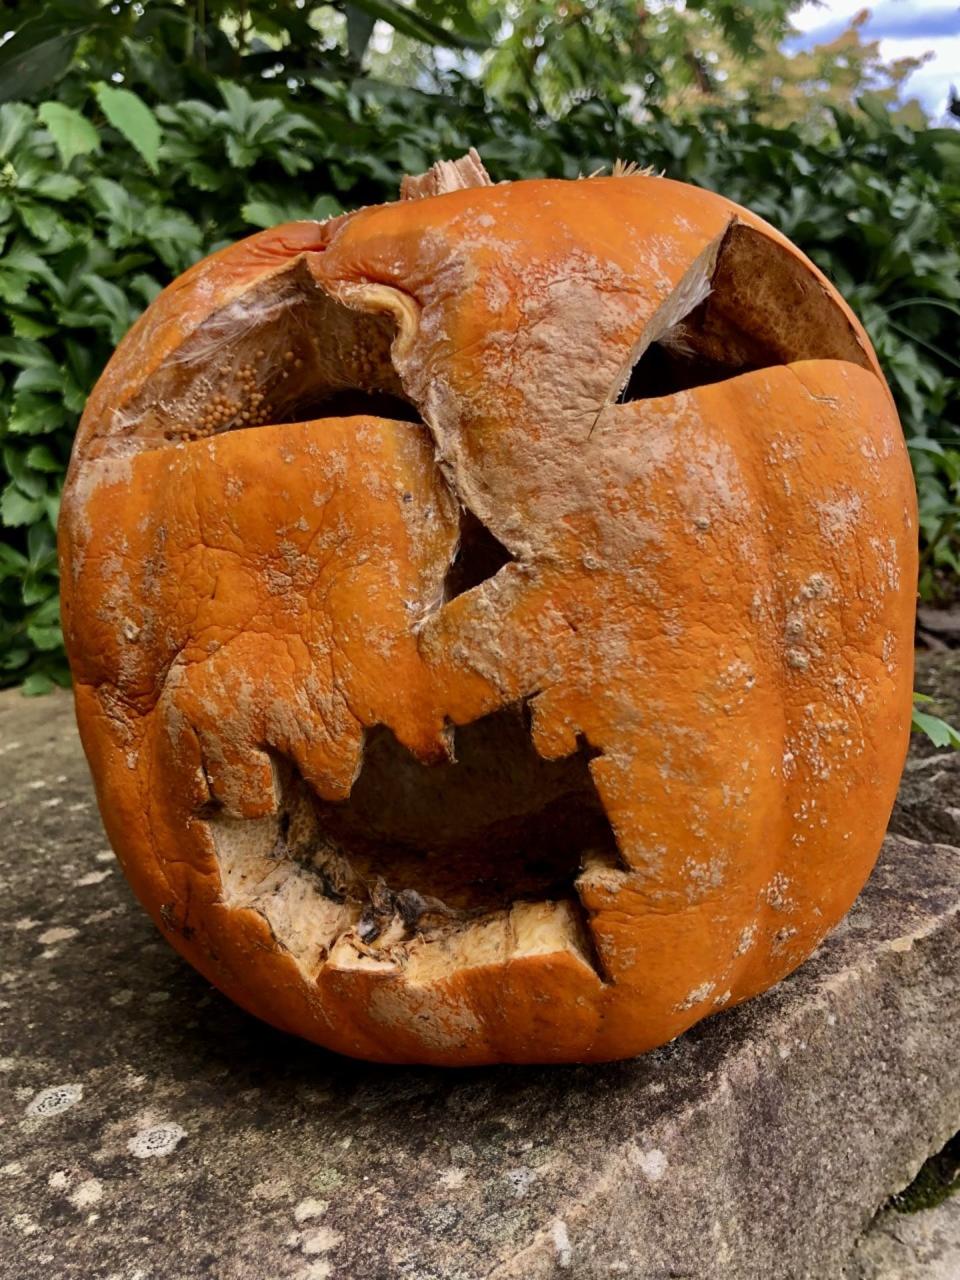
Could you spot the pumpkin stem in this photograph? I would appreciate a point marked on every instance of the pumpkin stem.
(446, 175)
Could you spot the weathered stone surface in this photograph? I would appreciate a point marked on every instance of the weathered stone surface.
(152, 1130)
(910, 1246)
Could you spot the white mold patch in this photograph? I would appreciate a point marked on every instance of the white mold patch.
(696, 996)
(748, 937)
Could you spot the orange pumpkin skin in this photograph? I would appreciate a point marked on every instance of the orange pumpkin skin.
(712, 588)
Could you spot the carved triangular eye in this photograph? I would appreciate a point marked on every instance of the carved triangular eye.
(745, 303)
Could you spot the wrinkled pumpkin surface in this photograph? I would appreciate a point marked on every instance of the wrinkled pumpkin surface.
(491, 616)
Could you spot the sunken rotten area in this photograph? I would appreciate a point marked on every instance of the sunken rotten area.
(420, 851)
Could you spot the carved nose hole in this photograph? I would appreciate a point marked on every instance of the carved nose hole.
(480, 555)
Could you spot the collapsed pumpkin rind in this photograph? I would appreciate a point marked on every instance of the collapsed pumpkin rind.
(702, 601)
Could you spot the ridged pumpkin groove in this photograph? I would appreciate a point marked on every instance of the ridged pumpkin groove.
(491, 616)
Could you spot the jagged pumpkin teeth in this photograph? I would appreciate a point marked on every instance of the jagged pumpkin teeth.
(491, 615)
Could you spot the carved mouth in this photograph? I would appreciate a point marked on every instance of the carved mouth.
(425, 853)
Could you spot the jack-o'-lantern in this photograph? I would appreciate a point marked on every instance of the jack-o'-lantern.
(490, 615)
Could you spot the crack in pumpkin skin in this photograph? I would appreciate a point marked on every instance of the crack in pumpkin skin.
(737, 653)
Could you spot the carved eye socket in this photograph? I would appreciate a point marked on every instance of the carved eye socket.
(284, 351)
(746, 303)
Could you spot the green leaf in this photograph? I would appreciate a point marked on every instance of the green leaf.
(73, 134)
(23, 353)
(36, 684)
(46, 377)
(114, 302)
(40, 220)
(33, 58)
(57, 186)
(45, 638)
(269, 213)
(17, 509)
(131, 116)
(16, 120)
(33, 415)
(938, 731)
(41, 459)
(25, 326)
(27, 481)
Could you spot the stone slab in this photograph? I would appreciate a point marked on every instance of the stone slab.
(151, 1131)
(910, 1246)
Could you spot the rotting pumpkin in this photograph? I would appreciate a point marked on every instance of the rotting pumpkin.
(491, 616)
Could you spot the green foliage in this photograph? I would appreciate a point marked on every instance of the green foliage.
(160, 138)
(938, 731)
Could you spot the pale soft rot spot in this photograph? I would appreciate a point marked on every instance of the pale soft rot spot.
(27, 923)
(55, 1099)
(59, 934)
(839, 516)
(452, 1179)
(105, 855)
(58, 1180)
(11, 1170)
(310, 1208)
(8, 1064)
(652, 1163)
(157, 1140)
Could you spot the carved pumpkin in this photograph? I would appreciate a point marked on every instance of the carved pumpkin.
(491, 616)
